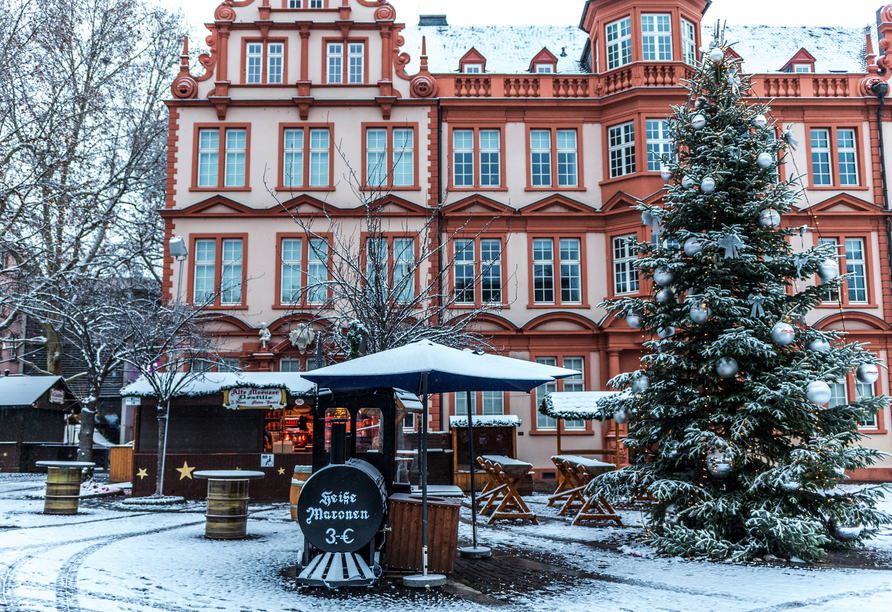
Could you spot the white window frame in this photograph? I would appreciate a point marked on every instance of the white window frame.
(334, 63)
(545, 69)
(204, 276)
(403, 267)
(275, 63)
(621, 148)
(320, 157)
(490, 156)
(544, 422)
(820, 156)
(570, 269)
(567, 158)
(863, 391)
(317, 272)
(293, 158)
(403, 157)
(491, 250)
(231, 266)
(659, 143)
(847, 156)
(254, 63)
(856, 271)
(376, 169)
(492, 403)
(463, 158)
(540, 157)
(472, 68)
(236, 157)
(618, 36)
(463, 271)
(688, 42)
(291, 275)
(625, 276)
(656, 37)
(801, 67)
(355, 63)
(839, 393)
(834, 295)
(208, 157)
(574, 384)
(543, 268)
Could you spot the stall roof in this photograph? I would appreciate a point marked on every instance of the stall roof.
(573, 405)
(487, 420)
(408, 401)
(23, 391)
(211, 383)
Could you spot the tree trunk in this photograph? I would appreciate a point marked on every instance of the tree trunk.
(53, 350)
(85, 442)
(163, 414)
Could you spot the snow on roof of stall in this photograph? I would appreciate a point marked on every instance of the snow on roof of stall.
(216, 382)
(573, 405)
(507, 49)
(487, 420)
(24, 390)
(409, 401)
(768, 48)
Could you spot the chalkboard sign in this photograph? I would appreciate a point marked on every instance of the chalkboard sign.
(341, 507)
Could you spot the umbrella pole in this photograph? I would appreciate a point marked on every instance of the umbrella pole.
(474, 552)
(424, 579)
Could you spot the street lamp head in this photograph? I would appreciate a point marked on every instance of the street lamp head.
(178, 248)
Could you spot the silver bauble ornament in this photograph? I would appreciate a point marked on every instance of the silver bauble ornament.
(700, 313)
(727, 367)
(769, 218)
(621, 417)
(670, 515)
(666, 332)
(783, 333)
(671, 450)
(790, 486)
(663, 277)
(846, 534)
(692, 246)
(760, 121)
(687, 182)
(665, 295)
(698, 122)
(666, 175)
(640, 384)
(867, 373)
(820, 345)
(829, 269)
(764, 160)
(720, 463)
(634, 320)
(707, 185)
(818, 392)
(716, 55)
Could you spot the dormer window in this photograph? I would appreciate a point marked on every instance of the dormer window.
(801, 68)
(802, 61)
(472, 62)
(544, 63)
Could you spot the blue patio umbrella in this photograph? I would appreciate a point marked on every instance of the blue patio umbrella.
(429, 367)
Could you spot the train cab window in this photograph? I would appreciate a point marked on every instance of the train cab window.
(368, 431)
(335, 416)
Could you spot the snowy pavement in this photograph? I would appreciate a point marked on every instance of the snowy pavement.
(113, 557)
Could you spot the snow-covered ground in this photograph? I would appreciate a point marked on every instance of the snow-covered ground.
(113, 557)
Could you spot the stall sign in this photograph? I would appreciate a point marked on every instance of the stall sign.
(57, 396)
(247, 398)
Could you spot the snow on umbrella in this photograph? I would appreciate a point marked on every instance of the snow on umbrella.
(435, 368)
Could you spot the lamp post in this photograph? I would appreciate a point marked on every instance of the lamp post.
(179, 252)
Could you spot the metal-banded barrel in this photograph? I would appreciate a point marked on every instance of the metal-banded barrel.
(63, 485)
(301, 474)
(227, 503)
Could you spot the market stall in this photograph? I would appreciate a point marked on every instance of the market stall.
(225, 421)
(493, 435)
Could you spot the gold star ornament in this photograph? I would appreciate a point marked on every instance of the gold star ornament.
(281, 471)
(186, 471)
(143, 473)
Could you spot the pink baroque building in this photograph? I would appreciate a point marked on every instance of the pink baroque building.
(535, 141)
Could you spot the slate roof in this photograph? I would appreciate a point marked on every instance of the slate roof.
(509, 49)
(24, 390)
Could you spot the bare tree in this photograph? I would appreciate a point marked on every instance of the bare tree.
(171, 345)
(82, 135)
(386, 279)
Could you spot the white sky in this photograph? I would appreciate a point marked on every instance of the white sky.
(568, 12)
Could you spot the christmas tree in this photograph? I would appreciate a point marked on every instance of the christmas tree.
(730, 432)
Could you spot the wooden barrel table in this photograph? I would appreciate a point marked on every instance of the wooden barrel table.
(301, 474)
(227, 509)
(63, 485)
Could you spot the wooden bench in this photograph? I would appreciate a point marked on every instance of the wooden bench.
(500, 498)
(575, 474)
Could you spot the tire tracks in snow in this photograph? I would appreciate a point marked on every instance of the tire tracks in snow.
(66, 592)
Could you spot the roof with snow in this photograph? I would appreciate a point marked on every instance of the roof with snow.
(24, 390)
(487, 420)
(509, 49)
(573, 405)
(211, 383)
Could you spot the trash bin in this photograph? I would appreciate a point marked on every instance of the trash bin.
(403, 549)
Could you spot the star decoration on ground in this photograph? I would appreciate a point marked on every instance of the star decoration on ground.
(281, 471)
(186, 471)
(143, 473)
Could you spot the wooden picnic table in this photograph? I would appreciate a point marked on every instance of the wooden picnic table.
(575, 474)
(500, 498)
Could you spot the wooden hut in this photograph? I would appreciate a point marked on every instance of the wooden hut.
(34, 413)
